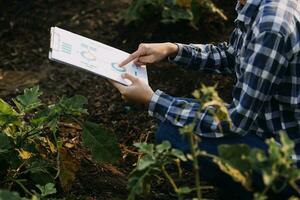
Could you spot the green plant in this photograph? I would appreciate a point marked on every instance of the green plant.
(170, 11)
(155, 158)
(30, 146)
(152, 163)
(44, 191)
(277, 168)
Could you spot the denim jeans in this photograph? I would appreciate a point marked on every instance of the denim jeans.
(209, 172)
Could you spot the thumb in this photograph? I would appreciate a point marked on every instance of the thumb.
(129, 77)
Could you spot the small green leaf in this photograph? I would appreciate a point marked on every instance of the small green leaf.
(29, 100)
(260, 196)
(7, 195)
(179, 154)
(145, 148)
(145, 162)
(47, 190)
(8, 115)
(102, 143)
(164, 146)
(184, 190)
(74, 105)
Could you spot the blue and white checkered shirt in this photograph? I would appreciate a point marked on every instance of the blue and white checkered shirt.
(264, 55)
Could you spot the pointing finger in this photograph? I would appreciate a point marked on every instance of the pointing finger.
(130, 58)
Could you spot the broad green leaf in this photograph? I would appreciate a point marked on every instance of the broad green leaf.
(74, 105)
(258, 159)
(242, 177)
(164, 146)
(145, 162)
(8, 115)
(103, 144)
(29, 100)
(236, 156)
(145, 148)
(68, 169)
(7, 195)
(179, 154)
(47, 190)
(38, 166)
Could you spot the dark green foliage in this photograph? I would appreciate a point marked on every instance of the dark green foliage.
(170, 11)
(8, 115)
(7, 195)
(47, 190)
(30, 147)
(152, 163)
(29, 100)
(277, 168)
(103, 145)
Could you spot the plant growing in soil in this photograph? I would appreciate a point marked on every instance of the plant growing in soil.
(32, 154)
(156, 158)
(276, 167)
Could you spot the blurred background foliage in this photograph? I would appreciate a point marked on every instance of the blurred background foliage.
(171, 11)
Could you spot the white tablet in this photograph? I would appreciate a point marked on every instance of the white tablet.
(93, 56)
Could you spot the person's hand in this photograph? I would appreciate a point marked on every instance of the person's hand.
(138, 91)
(151, 53)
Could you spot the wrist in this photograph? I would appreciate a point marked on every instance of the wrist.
(172, 49)
(149, 97)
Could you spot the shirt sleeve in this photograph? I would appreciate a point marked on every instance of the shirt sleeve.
(210, 58)
(263, 63)
(181, 112)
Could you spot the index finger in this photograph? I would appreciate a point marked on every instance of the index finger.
(130, 58)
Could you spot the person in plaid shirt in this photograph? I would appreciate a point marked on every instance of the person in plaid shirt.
(264, 55)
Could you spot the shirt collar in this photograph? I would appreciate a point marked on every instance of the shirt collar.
(248, 11)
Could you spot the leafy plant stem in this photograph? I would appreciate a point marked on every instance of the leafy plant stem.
(195, 165)
(172, 182)
(19, 182)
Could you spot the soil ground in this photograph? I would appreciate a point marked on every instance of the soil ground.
(24, 44)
